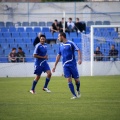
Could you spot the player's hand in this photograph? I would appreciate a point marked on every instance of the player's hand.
(79, 62)
(53, 70)
(46, 57)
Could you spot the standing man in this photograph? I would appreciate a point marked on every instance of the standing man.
(41, 65)
(66, 50)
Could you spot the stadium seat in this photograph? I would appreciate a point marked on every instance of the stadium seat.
(4, 29)
(20, 29)
(30, 47)
(106, 22)
(26, 40)
(25, 24)
(29, 59)
(32, 34)
(2, 40)
(29, 29)
(22, 45)
(24, 34)
(49, 35)
(12, 29)
(76, 40)
(42, 24)
(98, 22)
(1, 34)
(55, 35)
(89, 23)
(2, 24)
(3, 59)
(7, 34)
(10, 40)
(49, 23)
(12, 45)
(45, 29)
(18, 40)
(33, 23)
(19, 23)
(9, 24)
(37, 29)
(15, 35)
(73, 34)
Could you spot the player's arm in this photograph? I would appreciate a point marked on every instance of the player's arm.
(79, 57)
(38, 56)
(56, 62)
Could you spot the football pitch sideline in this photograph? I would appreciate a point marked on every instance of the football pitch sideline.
(100, 99)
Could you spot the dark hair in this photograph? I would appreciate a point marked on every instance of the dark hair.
(13, 48)
(20, 48)
(63, 34)
(42, 36)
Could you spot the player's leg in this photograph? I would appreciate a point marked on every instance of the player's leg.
(47, 81)
(48, 71)
(38, 72)
(67, 74)
(75, 75)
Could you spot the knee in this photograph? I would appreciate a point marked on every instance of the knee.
(49, 74)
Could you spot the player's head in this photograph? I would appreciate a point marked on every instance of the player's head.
(61, 36)
(42, 39)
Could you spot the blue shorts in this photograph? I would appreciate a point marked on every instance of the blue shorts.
(71, 71)
(43, 68)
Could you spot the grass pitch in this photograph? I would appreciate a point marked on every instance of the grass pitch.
(100, 99)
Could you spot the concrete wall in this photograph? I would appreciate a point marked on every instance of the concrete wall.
(26, 69)
(50, 11)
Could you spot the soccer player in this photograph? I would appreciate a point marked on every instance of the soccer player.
(41, 65)
(66, 50)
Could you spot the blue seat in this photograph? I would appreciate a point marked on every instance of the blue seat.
(49, 35)
(26, 40)
(4, 45)
(25, 24)
(98, 22)
(4, 29)
(12, 45)
(19, 23)
(32, 34)
(89, 23)
(106, 22)
(15, 35)
(7, 52)
(2, 40)
(12, 29)
(10, 40)
(76, 40)
(3, 59)
(73, 34)
(55, 35)
(29, 29)
(49, 23)
(30, 47)
(20, 29)
(22, 45)
(24, 34)
(18, 40)
(9, 24)
(7, 34)
(42, 23)
(37, 29)
(29, 59)
(1, 34)
(45, 29)
(33, 23)
(2, 24)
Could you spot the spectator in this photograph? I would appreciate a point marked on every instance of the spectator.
(79, 26)
(98, 56)
(37, 39)
(12, 57)
(55, 27)
(70, 25)
(61, 25)
(20, 55)
(113, 53)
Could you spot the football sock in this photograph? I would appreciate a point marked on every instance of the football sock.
(46, 82)
(78, 86)
(34, 84)
(70, 84)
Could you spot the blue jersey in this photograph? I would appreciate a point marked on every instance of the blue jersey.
(40, 50)
(66, 50)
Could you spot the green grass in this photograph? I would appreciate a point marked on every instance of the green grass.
(100, 99)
